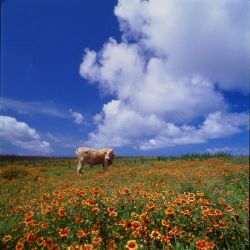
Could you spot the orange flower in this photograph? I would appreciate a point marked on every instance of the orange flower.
(111, 209)
(136, 233)
(7, 238)
(169, 211)
(81, 234)
(202, 244)
(200, 193)
(150, 205)
(55, 247)
(73, 247)
(44, 225)
(96, 210)
(79, 219)
(40, 241)
(183, 201)
(166, 238)
(62, 211)
(113, 214)
(135, 225)
(155, 234)
(19, 246)
(30, 238)
(97, 240)
(165, 224)
(187, 212)
(64, 232)
(86, 247)
(144, 217)
(72, 201)
(131, 245)
(95, 231)
(229, 208)
(133, 214)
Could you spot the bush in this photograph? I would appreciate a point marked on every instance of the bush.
(14, 173)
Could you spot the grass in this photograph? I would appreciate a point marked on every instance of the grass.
(190, 202)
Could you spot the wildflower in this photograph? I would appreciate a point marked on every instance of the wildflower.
(202, 244)
(169, 211)
(121, 223)
(165, 224)
(110, 209)
(166, 238)
(55, 203)
(73, 247)
(86, 247)
(191, 198)
(62, 211)
(72, 201)
(133, 214)
(81, 234)
(183, 201)
(150, 205)
(30, 238)
(135, 225)
(221, 200)
(187, 212)
(144, 217)
(229, 208)
(131, 245)
(7, 238)
(96, 210)
(155, 235)
(113, 214)
(95, 231)
(97, 240)
(218, 212)
(19, 246)
(55, 247)
(44, 225)
(40, 241)
(175, 230)
(64, 232)
(200, 193)
(136, 233)
(79, 219)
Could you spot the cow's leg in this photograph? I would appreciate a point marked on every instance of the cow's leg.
(79, 167)
(105, 166)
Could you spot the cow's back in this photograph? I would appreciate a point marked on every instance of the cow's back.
(90, 155)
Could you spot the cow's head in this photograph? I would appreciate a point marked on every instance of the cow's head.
(109, 155)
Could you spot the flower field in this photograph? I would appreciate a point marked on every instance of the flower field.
(140, 203)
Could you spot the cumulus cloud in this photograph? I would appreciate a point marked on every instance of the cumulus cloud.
(206, 37)
(21, 135)
(78, 117)
(162, 74)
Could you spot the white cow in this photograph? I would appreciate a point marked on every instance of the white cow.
(102, 156)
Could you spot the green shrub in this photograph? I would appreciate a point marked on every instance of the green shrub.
(14, 173)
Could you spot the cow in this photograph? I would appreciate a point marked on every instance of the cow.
(102, 156)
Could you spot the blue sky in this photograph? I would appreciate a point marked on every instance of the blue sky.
(144, 77)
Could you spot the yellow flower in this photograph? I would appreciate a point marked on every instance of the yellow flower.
(7, 238)
(131, 245)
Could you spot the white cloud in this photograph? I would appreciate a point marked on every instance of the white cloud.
(230, 150)
(163, 73)
(205, 37)
(78, 117)
(21, 135)
(22, 107)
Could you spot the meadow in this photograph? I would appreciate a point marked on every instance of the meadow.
(191, 202)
